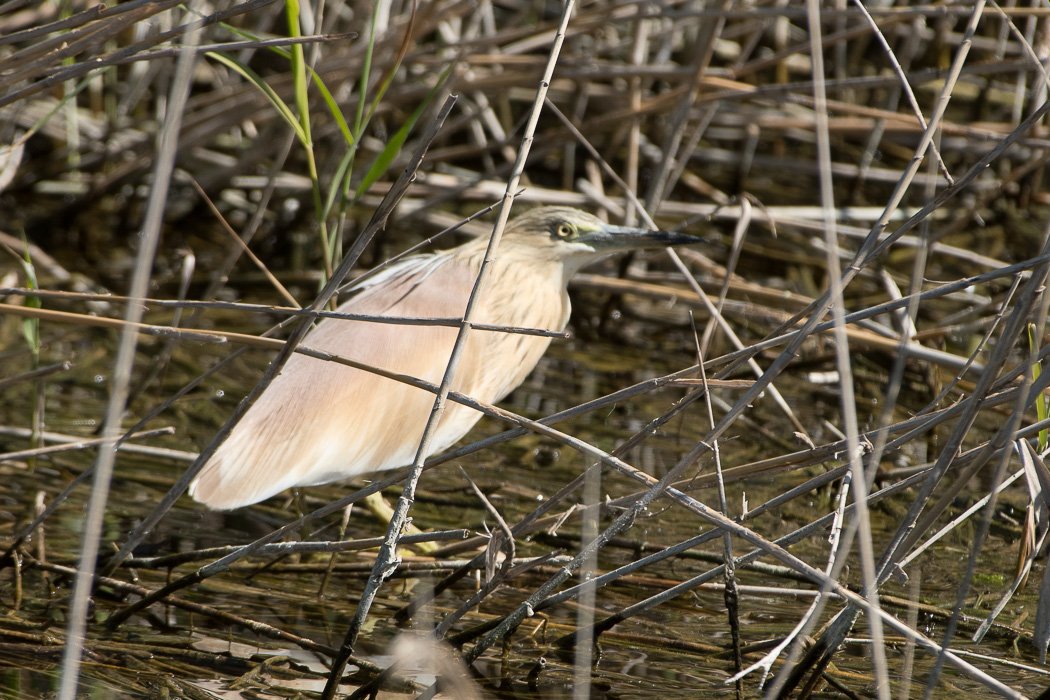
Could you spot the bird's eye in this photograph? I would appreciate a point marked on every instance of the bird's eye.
(564, 230)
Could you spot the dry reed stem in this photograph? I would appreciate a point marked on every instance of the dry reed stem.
(695, 108)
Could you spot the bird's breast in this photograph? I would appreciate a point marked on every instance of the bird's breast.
(504, 359)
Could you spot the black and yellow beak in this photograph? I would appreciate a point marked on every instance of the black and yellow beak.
(610, 238)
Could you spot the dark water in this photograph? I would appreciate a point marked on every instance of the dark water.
(675, 650)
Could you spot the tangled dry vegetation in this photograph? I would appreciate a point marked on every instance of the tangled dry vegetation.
(850, 499)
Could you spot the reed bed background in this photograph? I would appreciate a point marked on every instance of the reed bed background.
(847, 500)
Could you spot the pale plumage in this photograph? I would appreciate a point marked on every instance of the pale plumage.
(319, 421)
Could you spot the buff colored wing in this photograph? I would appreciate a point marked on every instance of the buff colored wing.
(320, 421)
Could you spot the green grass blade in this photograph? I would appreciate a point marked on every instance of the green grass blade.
(330, 101)
(345, 164)
(1041, 407)
(30, 326)
(251, 76)
(302, 100)
(391, 72)
(382, 161)
(366, 71)
(333, 108)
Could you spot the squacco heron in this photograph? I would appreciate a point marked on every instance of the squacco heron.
(319, 421)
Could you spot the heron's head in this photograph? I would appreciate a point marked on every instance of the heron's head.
(574, 237)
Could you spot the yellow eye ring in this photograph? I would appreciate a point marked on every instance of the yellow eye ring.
(564, 230)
